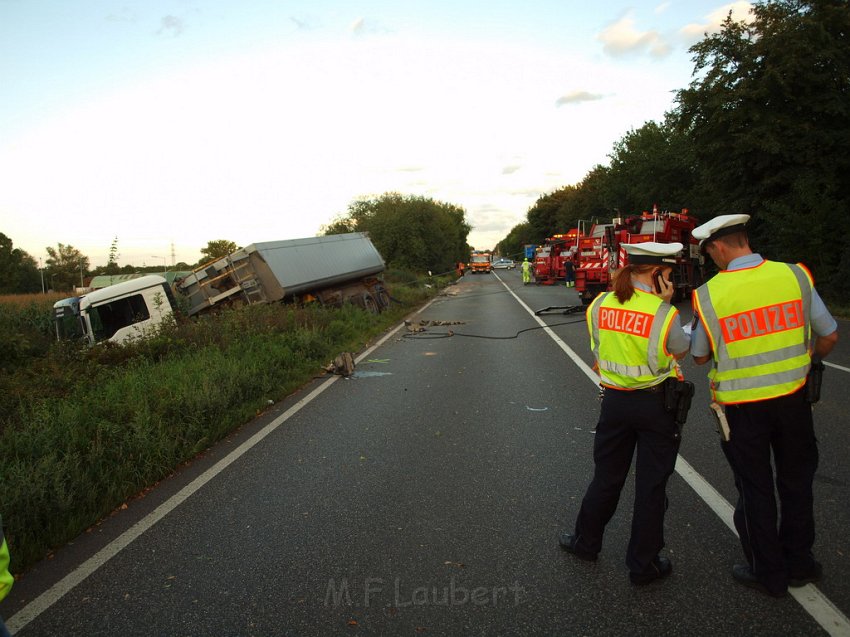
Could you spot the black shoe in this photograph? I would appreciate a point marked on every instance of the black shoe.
(743, 574)
(811, 576)
(659, 568)
(568, 543)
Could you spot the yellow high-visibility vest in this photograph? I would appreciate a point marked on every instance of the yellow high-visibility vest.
(6, 579)
(757, 320)
(629, 340)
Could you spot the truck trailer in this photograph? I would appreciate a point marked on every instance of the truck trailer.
(331, 270)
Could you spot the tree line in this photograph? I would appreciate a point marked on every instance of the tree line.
(763, 128)
(66, 267)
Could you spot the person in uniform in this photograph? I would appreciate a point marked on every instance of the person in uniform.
(637, 338)
(761, 322)
(526, 271)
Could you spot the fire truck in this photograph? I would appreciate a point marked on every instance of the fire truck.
(550, 258)
(601, 252)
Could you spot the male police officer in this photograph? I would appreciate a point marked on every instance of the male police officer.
(756, 321)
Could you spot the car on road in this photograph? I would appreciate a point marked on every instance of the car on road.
(506, 264)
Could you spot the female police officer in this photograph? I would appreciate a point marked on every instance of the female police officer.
(636, 338)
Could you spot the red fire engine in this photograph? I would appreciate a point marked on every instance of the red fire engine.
(550, 258)
(601, 253)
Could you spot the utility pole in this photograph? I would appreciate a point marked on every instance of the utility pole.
(41, 269)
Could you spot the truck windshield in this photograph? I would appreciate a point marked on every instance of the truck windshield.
(652, 226)
(481, 258)
(108, 318)
(67, 319)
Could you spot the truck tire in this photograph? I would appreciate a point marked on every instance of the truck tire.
(369, 304)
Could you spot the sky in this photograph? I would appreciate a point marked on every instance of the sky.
(170, 123)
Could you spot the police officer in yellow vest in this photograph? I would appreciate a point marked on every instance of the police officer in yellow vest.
(636, 337)
(761, 322)
(6, 579)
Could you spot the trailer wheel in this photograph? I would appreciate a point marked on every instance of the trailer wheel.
(369, 304)
(383, 298)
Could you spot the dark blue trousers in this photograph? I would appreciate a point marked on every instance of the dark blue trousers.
(784, 427)
(629, 421)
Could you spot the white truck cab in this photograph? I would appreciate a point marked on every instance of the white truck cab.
(118, 313)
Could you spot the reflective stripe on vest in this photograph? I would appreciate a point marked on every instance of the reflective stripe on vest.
(633, 355)
(760, 343)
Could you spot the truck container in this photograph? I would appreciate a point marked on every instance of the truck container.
(332, 269)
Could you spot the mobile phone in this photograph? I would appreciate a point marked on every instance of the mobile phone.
(656, 278)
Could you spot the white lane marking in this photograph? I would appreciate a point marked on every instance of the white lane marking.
(822, 610)
(842, 368)
(66, 584)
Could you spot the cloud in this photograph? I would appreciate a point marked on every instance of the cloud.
(695, 31)
(171, 25)
(622, 38)
(577, 97)
(301, 25)
(510, 170)
(358, 26)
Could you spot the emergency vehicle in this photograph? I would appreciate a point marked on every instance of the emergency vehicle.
(600, 253)
(480, 261)
(551, 258)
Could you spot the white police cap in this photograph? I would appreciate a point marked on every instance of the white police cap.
(720, 226)
(651, 252)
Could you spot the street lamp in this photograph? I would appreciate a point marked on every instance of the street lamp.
(164, 263)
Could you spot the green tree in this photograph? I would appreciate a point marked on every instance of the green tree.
(512, 246)
(650, 166)
(18, 270)
(66, 267)
(217, 249)
(410, 232)
(768, 119)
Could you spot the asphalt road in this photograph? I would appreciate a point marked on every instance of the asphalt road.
(424, 496)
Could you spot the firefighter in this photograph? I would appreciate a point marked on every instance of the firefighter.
(761, 322)
(526, 271)
(633, 329)
(6, 579)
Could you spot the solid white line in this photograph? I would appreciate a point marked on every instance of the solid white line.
(66, 584)
(822, 610)
(843, 369)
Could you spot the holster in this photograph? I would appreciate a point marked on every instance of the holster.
(677, 398)
(814, 379)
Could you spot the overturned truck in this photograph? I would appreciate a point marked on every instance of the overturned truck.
(331, 270)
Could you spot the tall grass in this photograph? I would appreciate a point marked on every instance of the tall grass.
(82, 430)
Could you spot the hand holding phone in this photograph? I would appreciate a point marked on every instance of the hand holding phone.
(663, 287)
(656, 278)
